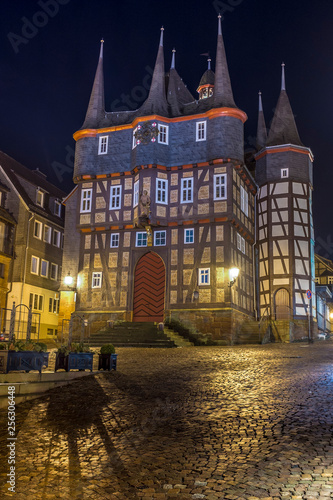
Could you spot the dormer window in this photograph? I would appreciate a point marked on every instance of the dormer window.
(40, 198)
(103, 145)
(57, 208)
(163, 136)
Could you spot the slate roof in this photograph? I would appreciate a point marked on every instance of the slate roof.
(261, 128)
(208, 78)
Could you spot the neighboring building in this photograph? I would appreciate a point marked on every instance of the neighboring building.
(35, 205)
(165, 207)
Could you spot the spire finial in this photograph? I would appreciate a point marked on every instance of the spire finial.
(173, 60)
(219, 25)
(209, 61)
(101, 49)
(161, 38)
(283, 78)
(260, 101)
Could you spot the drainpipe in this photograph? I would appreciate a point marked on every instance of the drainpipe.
(254, 258)
(26, 255)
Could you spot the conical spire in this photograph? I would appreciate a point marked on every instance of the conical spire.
(96, 109)
(223, 96)
(261, 128)
(177, 94)
(283, 128)
(156, 102)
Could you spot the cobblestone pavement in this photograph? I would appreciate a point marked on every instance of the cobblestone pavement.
(245, 422)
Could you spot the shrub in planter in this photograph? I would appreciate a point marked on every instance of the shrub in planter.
(107, 359)
(27, 356)
(76, 356)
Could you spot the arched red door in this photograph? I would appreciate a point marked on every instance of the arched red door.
(149, 288)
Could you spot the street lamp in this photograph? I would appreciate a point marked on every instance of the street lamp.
(68, 280)
(233, 275)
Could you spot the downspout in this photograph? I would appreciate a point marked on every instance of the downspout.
(254, 259)
(25, 256)
(11, 268)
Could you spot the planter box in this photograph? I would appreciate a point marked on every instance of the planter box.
(107, 362)
(74, 361)
(27, 361)
(3, 361)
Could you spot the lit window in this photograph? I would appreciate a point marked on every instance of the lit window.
(38, 229)
(141, 239)
(244, 201)
(187, 190)
(54, 271)
(34, 265)
(330, 280)
(163, 136)
(114, 240)
(220, 187)
(44, 268)
(284, 173)
(136, 194)
(47, 234)
(56, 238)
(40, 198)
(204, 276)
(96, 280)
(86, 195)
(240, 243)
(36, 301)
(189, 236)
(103, 145)
(160, 238)
(115, 197)
(161, 191)
(200, 131)
(57, 208)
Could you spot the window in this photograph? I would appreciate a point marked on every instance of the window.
(134, 139)
(34, 265)
(38, 229)
(136, 194)
(200, 131)
(204, 276)
(96, 280)
(40, 198)
(244, 196)
(36, 301)
(330, 280)
(115, 197)
(44, 268)
(163, 136)
(54, 305)
(2, 270)
(141, 240)
(57, 208)
(56, 238)
(240, 243)
(47, 234)
(86, 195)
(220, 187)
(284, 173)
(162, 191)
(160, 238)
(189, 236)
(103, 145)
(54, 271)
(114, 240)
(49, 331)
(187, 190)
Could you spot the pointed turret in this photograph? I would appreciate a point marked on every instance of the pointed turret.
(156, 102)
(206, 85)
(223, 96)
(177, 94)
(283, 129)
(261, 128)
(96, 109)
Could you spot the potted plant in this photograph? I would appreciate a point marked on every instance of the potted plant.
(27, 356)
(107, 359)
(76, 356)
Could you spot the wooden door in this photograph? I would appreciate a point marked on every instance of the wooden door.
(282, 304)
(149, 288)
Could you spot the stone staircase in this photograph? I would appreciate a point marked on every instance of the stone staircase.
(177, 339)
(131, 335)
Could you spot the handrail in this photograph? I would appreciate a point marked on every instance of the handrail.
(261, 320)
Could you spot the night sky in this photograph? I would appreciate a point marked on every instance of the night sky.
(47, 71)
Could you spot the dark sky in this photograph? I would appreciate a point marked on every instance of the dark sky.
(48, 62)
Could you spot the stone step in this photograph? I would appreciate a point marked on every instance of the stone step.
(177, 339)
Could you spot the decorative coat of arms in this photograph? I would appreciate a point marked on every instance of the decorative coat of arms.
(146, 133)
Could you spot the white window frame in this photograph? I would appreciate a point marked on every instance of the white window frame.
(189, 231)
(136, 194)
(96, 281)
(54, 266)
(46, 275)
(284, 173)
(103, 145)
(40, 230)
(218, 186)
(57, 208)
(134, 140)
(244, 198)
(114, 235)
(163, 136)
(241, 243)
(47, 239)
(56, 237)
(201, 128)
(115, 197)
(155, 238)
(186, 191)
(41, 194)
(138, 240)
(86, 197)
(162, 190)
(204, 273)
(36, 259)
(33, 297)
